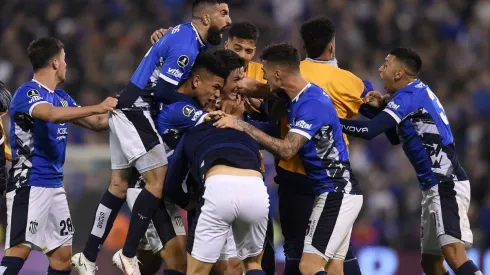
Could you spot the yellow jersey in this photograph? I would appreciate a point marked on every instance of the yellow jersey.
(254, 71)
(343, 87)
(8, 153)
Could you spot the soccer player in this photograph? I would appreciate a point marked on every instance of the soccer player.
(226, 164)
(346, 90)
(423, 128)
(37, 211)
(134, 140)
(200, 89)
(319, 143)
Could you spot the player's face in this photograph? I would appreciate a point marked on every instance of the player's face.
(208, 90)
(233, 84)
(245, 48)
(271, 75)
(389, 73)
(219, 21)
(59, 64)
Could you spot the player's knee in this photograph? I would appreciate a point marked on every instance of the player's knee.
(234, 267)
(174, 254)
(60, 259)
(432, 264)
(455, 254)
(118, 186)
(306, 268)
(252, 263)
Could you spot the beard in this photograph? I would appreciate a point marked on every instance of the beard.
(214, 36)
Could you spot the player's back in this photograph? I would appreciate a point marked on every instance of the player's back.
(205, 144)
(343, 87)
(426, 135)
(170, 59)
(324, 156)
(38, 147)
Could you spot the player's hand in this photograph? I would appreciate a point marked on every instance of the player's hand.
(156, 35)
(374, 99)
(214, 115)
(107, 105)
(229, 121)
(234, 107)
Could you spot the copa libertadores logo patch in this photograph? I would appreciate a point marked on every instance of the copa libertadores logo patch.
(183, 61)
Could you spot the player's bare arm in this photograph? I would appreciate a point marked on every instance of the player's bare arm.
(156, 35)
(284, 148)
(48, 112)
(96, 123)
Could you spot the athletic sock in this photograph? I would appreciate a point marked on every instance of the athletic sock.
(107, 211)
(144, 209)
(11, 265)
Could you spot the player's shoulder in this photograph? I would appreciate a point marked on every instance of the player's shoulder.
(180, 108)
(182, 36)
(313, 97)
(29, 89)
(413, 89)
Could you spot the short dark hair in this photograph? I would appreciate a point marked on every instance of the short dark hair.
(410, 58)
(5, 98)
(42, 50)
(230, 59)
(284, 54)
(316, 35)
(210, 63)
(196, 4)
(244, 30)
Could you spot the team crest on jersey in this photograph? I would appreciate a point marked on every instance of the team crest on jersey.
(183, 61)
(188, 110)
(33, 93)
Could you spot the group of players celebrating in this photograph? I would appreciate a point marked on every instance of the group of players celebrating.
(187, 130)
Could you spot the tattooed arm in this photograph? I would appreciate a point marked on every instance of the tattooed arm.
(284, 148)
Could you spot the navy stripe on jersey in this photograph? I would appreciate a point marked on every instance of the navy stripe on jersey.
(24, 145)
(324, 155)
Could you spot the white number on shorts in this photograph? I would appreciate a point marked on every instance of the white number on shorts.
(66, 227)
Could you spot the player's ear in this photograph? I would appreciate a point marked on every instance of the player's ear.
(196, 80)
(226, 45)
(55, 63)
(206, 19)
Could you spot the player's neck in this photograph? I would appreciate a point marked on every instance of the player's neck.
(186, 89)
(326, 56)
(294, 86)
(48, 79)
(201, 30)
(404, 83)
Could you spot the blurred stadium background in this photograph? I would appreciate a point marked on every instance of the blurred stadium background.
(106, 39)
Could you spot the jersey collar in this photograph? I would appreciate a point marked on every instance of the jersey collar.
(41, 85)
(302, 91)
(332, 62)
(198, 36)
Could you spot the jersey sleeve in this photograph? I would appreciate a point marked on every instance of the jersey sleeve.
(178, 58)
(399, 107)
(307, 121)
(71, 101)
(180, 115)
(27, 99)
